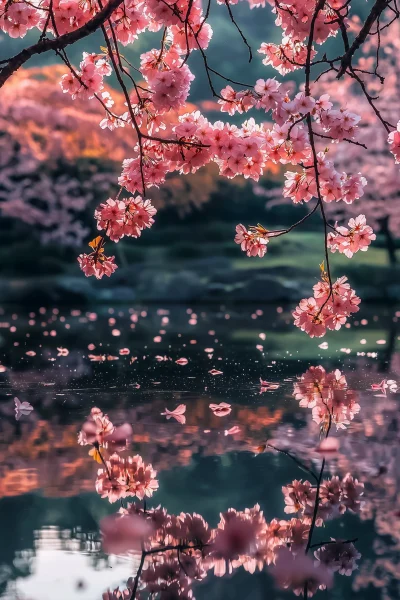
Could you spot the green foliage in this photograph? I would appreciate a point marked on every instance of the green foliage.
(29, 258)
(185, 250)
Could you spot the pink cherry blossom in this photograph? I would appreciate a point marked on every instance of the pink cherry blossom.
(339, 556)
(328, 447)
(254, 243)
(62, 351)
(232, 431)
(221, 410)
(123, 533)
(294, 571)
(178, 413)
(182, 361)
(381, 387)
(124, 477)
(394, 142)
(22, 408)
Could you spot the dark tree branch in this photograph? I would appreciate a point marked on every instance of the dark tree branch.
(239, 30)
(373, 16)
(57, 43)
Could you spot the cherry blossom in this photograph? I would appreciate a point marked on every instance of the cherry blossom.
(295, 571)
(99, 432)
(330, 307)
(336, 495)
(123, 533)
(97, 263)
(339, 556)
(394, 142)
(221, 410)
(22, 408)
(253, 242)
(121, 478)
(329, 397)
(178, 413)
(119, 218)
(305, 131)
(358, 236)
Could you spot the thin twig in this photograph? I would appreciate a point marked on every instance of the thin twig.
(296, 460)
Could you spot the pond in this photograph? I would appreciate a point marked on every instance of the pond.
(281, 395)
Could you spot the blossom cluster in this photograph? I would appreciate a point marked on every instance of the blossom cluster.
(348, 241)
(125, 477)
(178, 550)
(18, 18)
(119, 477)
(241, 539)
(294, 18)
(329, 397)
(335, 497)
(117, 218)
(329, 308)
(96, 429)
(253, 241)
(339, 556)
(333, 186)
(88, 81)
(285, 57)
(97, 263)
(100, 432)
(129, 217)
(168, 79)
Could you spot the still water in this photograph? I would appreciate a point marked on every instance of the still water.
(133, 363)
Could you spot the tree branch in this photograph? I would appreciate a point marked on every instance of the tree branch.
(57, 43)
(373, 16)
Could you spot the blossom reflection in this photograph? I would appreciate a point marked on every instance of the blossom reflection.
(329, 397)
(177, 550)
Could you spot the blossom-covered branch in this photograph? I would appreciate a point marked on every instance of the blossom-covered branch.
(17, 19)
(302, 119)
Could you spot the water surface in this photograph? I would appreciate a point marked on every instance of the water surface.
(64, 362)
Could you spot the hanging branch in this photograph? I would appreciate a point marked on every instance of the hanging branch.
(57, 43)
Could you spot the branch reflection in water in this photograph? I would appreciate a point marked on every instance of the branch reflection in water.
(173, 552)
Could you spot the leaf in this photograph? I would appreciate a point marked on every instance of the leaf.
(95, 454)
(261, 229)
(94, 244)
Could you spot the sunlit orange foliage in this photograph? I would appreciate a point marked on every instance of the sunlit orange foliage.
(48, 126)
(47, 457)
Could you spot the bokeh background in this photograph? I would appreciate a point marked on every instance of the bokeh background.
(57, 165)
